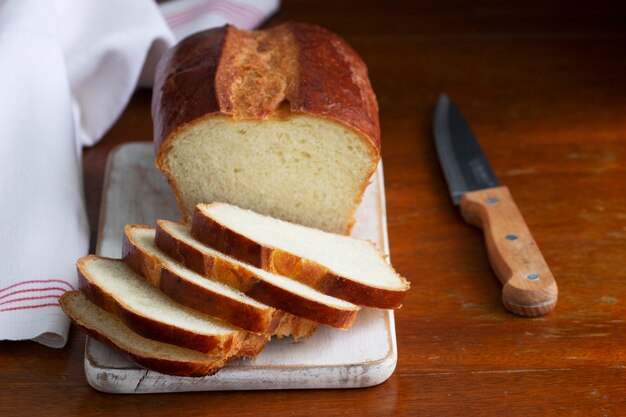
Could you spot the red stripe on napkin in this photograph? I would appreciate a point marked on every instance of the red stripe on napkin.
(38, 281)
(33, 290)
(29, 307)
(234, 12)
(208, 5)
(38, 293)
(15, 300)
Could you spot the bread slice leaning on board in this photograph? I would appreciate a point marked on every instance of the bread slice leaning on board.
(341, 266)
(205, 295)
(282, 121)
(114, 287)
(158, 356)
(280, 292)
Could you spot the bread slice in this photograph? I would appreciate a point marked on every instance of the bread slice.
(158, 356)
(283, 121)
(341, 266)
(204, 295)
(113, 286)
(275, 290)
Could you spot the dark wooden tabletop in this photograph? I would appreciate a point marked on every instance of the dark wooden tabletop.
(543, 85)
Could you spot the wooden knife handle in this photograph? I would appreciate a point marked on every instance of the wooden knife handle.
(529, 289)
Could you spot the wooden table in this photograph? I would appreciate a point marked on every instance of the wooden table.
(543, 85)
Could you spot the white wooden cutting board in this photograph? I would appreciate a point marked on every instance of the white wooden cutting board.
(365, 355)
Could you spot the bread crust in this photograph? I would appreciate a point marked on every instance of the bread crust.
(154, 329)
(184, 87)
(251, 284)
(231, 73)
(162, 364)
(246, 316)
(320, 75)
(223, 239)
(267, 321)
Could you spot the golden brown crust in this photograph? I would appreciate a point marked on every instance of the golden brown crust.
(251, 284)
(171, 366)
(154, 329)
(184, 87)
(266, 321)
(294, 326)
(223, 239)
(257, 73)
(251, 74)
(261, 320)
(333, 82)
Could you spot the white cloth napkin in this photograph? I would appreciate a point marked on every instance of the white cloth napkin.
(67, 70)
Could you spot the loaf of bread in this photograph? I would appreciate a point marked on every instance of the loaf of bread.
(282, 121)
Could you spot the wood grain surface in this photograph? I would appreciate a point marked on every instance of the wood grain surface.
(543, 85)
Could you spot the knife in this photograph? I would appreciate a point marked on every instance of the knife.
(529, 288)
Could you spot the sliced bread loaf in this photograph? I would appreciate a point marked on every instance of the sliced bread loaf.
(341, 266)
(283, 121)
(113, 286)
(205, 295)
(275, 290)
(158, 356)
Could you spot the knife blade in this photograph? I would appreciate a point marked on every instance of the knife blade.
(529, 288)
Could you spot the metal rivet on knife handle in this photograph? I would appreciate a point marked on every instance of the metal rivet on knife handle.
(491, 200)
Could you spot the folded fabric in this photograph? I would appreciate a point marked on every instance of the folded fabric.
(185, 17)
(67, 70)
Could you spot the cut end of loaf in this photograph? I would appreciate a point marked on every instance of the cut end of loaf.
(303, 169)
